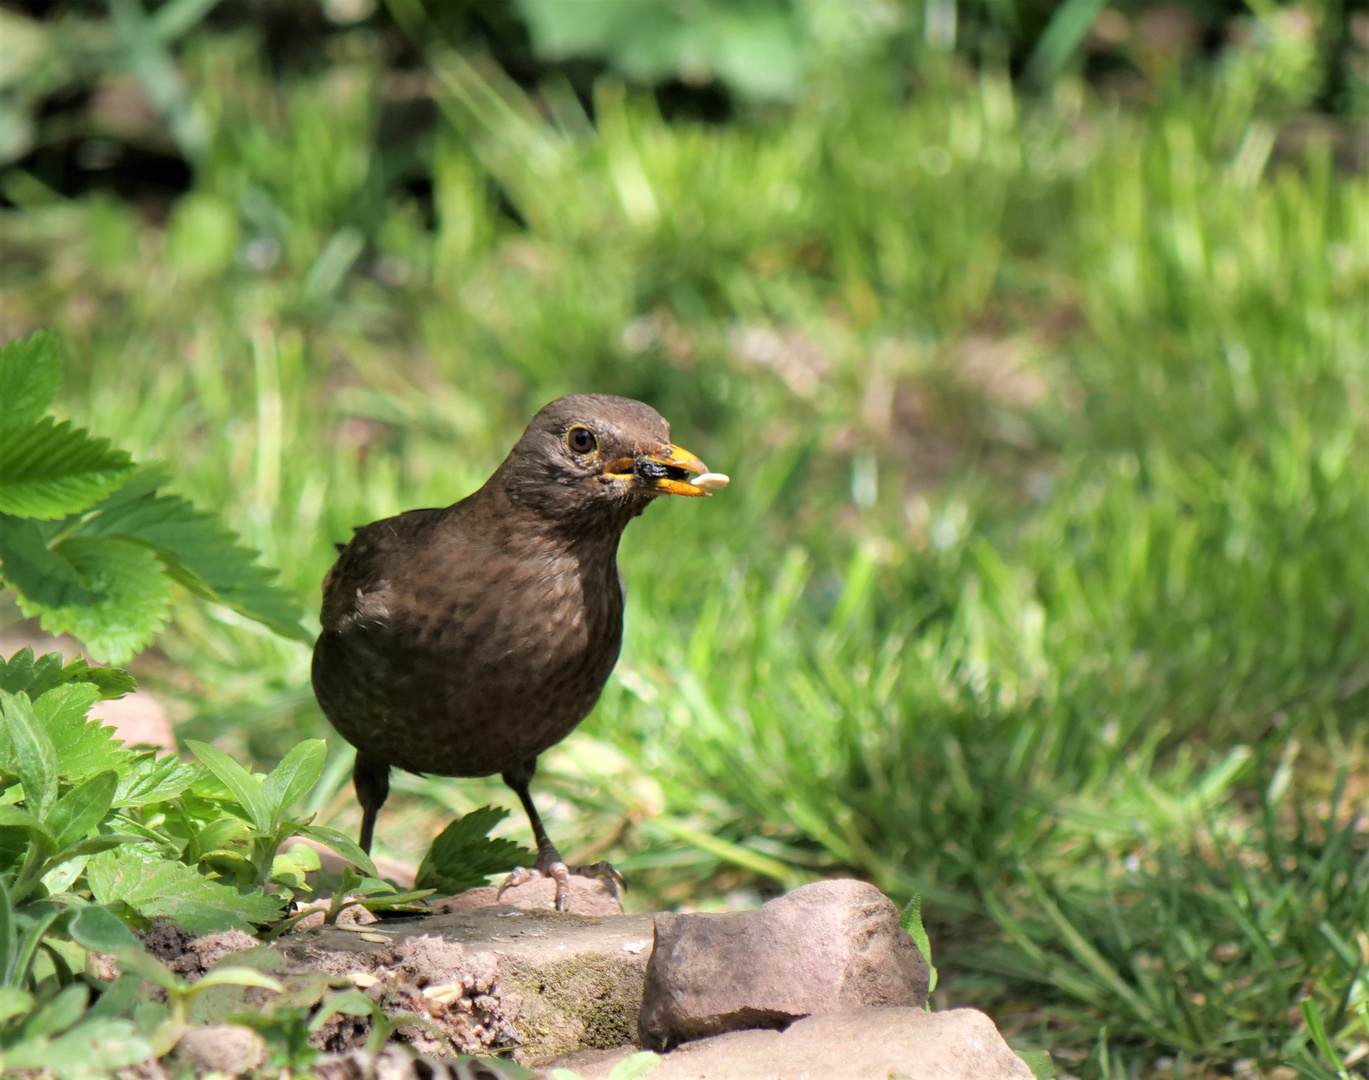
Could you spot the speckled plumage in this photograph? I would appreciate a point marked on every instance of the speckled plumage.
(465, 641)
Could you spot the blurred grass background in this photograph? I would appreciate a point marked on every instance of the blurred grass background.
(1034, 336)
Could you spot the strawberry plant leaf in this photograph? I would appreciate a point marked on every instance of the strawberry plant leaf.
(133, 596)
(36, 571)
(17, 674)
(84, 747)
(49, 470)
(153, 885)
(30, 370)
(198, 552)
(464, 855)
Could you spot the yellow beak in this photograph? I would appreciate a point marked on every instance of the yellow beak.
(668, 474)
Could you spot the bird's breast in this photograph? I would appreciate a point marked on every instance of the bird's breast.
(470, 673)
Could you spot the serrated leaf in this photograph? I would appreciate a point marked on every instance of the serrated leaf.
(199, 552)
(27, 752)
(17, 673)
(112, 682)
(82, 808)
(246, 788)
(49, 470)
(134, 596)
(154, 886)
(295, 776)
(84, 747)
(464, 855)
(47, 673)
(34, 570)
(30, 371)
(100, 929)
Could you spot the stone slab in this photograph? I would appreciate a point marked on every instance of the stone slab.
(861, 1044)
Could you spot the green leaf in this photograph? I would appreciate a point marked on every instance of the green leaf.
(152, 779)
(34, 570)
(238, 976)
(350, 1002)
(296, 774)
(9, 934)
(101, 930)
(13, 1001)
(82, 808)
(199, 552)
(26, 750)
(289, 867)
(343, 844)
(463, 855)
(93, 845)
(17, 674)
(1039, 1062)
(60, 1013)
(113, 683)
(635, 1066)
(14, 817)
(47, 673)
(94, 1049)
(911, 921)
(152, 885)
(30, 371)
(134, 596)
(246, 788)
(49, 470)
(84, 747)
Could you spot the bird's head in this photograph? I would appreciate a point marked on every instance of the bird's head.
(590, 454)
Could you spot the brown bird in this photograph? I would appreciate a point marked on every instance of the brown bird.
(465, 641)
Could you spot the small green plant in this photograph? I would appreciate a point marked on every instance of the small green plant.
(911, 921)
(89, 543)
(464, 856)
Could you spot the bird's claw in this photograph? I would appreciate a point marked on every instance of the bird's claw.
(604, 872)
(560, 873)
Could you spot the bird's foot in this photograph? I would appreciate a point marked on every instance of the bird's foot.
(561, 874)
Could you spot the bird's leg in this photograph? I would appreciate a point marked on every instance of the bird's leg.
(371, 778)
(549, 862)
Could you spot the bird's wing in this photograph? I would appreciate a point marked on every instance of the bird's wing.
(356, 589)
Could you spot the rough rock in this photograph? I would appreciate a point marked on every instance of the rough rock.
(588, 896)
(826, 947)
(540, 982)
(229, 1049)
(961, 1044)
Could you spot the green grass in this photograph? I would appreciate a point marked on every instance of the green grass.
(1042, 587)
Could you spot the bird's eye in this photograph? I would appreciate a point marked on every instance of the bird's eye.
(581, 440)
